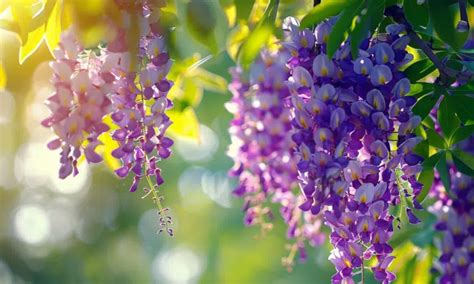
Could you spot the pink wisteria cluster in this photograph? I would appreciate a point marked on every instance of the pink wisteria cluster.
(91, 85)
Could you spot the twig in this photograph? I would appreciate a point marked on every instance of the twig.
(445, 72)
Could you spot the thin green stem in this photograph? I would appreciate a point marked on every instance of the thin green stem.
(362, 271)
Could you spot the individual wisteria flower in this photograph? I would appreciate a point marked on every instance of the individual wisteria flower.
(262, 150)
(354, 136)
(456, 222)
(78, 104)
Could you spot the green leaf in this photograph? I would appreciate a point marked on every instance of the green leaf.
(447, 118)
(260, 35)
(443, 22)
(461, 133)
(191, 93)
(461, 166)
(465, 158)
(428, 122)
(366, 24)
(416, 14)
(426, 178)
(469, 65)
(462, 90)
(250, 49)
(443, 171)
(326, 9)
(201, 22)
(419, 70)
(463, 106)
(410, 269)
(209, 81)
(435, 139)
(424, 105)
(420, 89)
(432, 160)
(467, 51)
(422, 148)
(337, 35)
(243, 8)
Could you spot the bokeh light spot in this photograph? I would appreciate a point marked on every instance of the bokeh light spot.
(202, 150)
(31, 224)
(178, 265)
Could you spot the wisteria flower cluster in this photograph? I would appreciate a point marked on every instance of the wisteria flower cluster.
(354, 128)
(93, 85)
(262, 149)
(352, 132)
(78, 105)
(456, 222)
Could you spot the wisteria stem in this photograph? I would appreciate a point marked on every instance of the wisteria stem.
(156, 198)
(398, 16)
(362, 271)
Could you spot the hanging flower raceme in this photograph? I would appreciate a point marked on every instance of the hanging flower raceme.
(78, 104)
(263, 151)
(353, 133)
(139, 105)
(456, 222)
(90, 87)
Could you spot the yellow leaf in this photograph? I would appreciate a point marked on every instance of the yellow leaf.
(53, 27)
(108, 145)
(231, 13)
(235, 40)
(106, 149)
(31, 44)
(191, 92)
(4, 5)
(209, 81)
(185, 123)
(22, 15)
(3, 77)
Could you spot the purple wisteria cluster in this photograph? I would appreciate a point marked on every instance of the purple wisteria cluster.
(353, 133)
(262, 149)
(456, 222)
(93, 85)
(139, 108)
(78, 104)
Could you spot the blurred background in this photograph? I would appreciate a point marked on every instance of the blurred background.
(90, 229)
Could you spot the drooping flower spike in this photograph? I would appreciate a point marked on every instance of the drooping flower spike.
(456, 223)
(78, 105)
(91, 86)
(262, 150)
(345, 121)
